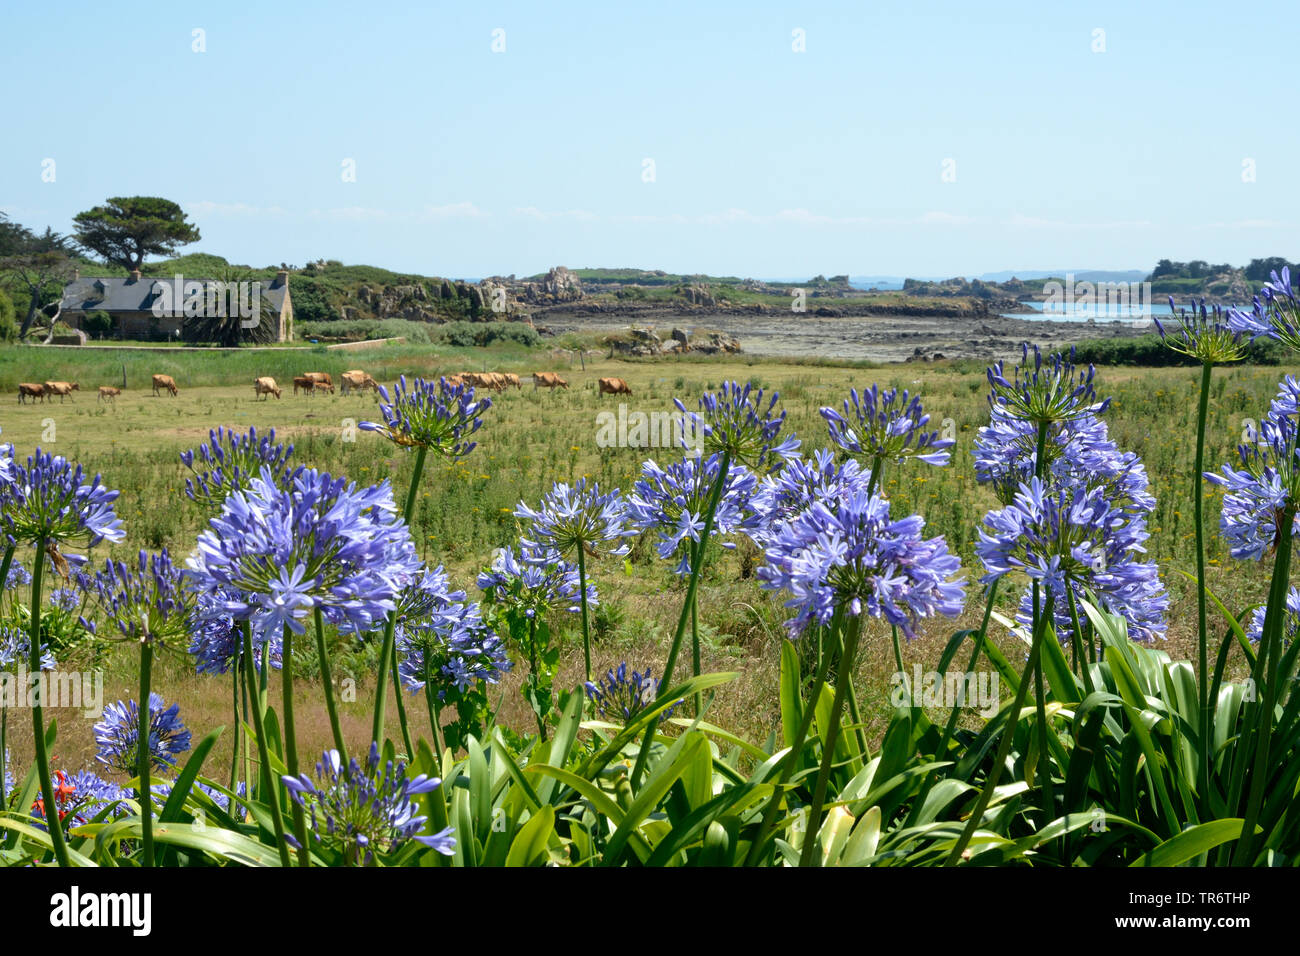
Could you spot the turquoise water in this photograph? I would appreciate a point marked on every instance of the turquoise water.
(1099, 311)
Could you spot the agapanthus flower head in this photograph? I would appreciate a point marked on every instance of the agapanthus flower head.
(275, 554)
(1274, 314)
(147, 602)
(846, 552)
(49, 499)
(886, 427)
(1207, 335)
(1076, 451)
(362, 810)
(229, 460)
(451, 648)
(1267, 485)
(1291, 621)
(533, 584)
(217, 639)
(434, 415)
(735, 419)
(17, 577)
(577, 516)
(1076, 539)
(621, 696)
(91, 794)
(784, 494)
(117, 735)
(1044, 392)
(672, 501)
(15, 648)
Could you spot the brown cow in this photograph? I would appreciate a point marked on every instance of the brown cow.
(164, 381)
(61, 389)
(322, 380)
(28, 390)
(511, 379)
(548, 380)
(457, 380)
(265, 386)
(614, 386)
(108, 393)
(308, 385)
(357, 379)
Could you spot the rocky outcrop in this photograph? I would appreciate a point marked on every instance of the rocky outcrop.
(558, 285)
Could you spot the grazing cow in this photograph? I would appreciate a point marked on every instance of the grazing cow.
(322, 380)
(511, 379)
(303, 382)
(164, 381)
(265, 386)
(548, 380)
(614, 386)
(356, 379)
(61, 389)
(108, 393)
(28, 390)
(457, 380)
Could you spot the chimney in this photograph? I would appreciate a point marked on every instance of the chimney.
(135, 275)
(281, 278)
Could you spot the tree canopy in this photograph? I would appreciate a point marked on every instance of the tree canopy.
(127, 229)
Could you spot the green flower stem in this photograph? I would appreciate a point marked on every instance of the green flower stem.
(1202, 629)
(435, 712)
(291, 745)
(234, 744)
(682, 620)
(401, 705)
(1266, 676)
(271, 796)
(1004, 745)
(582, 592)
(1074, 621)
(4, 567)
(386, 649)
(695, 651)
(790, 761)
(811, 838)
(533, 672)
(143, 756)
(328, 680)
(38, 713)
(248, 744)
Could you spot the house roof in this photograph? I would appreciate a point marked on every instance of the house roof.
(124, 294)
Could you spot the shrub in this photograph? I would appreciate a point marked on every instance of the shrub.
(8, 322)
(98, 323)
(468, 334)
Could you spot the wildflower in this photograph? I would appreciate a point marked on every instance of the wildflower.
(1209, 336)
(232, 459)
(673, 501)
(148, 602)
(1076, 538)
(217, 643)
(889, 428)
(1255, 630)
(846, 552)
(1042, 394)
(454, 647)
(618, 696)
(15, 647)
(533, 584)
(784, 494)
(431, 415)
(576, 517)
(65, 599)
(62, 791)
(735, 421)
(117, 735)
(358, 812)
(1275, 312)
(48, 500)
(275, 554)
(17, 577)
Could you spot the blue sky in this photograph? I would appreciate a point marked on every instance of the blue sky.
(767, 161)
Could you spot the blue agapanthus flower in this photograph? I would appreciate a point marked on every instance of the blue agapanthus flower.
(886, 427)
(147, 602)
(359, 811)
(275, 554)
(847, 552)
(734, 419)
(229, 461)
(1055, 391)
(1274, 314)
(17, 577)
(433, 415)
(50, 500)
(672, 502)
(65, 599)
(1207, 335)
(217, 639)
(117, 735)
(621, 696)
(577, 516)
(784, 494)
(1259, 493)
(452, 647)
(15, 648)
(1255, 629)
(533, 584)
(1076, 538)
